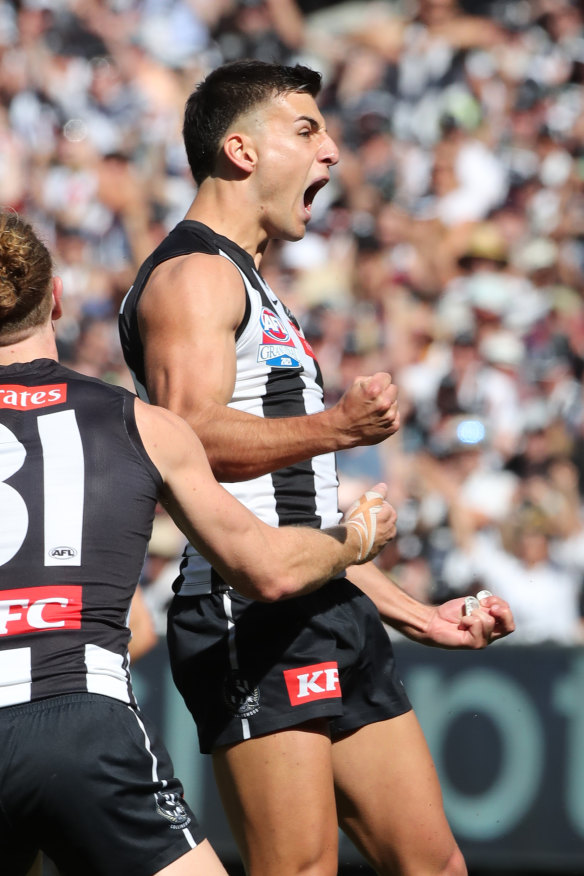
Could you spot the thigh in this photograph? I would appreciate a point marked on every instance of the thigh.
(277, 791)
(201, 861)
(19, 855)
(390, 802)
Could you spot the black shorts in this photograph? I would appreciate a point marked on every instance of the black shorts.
(84, 778)
(248, 668)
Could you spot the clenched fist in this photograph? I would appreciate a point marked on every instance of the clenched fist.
(374, 519)
(367, 413)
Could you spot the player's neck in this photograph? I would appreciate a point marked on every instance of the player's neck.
(39, 345)
(214, 207)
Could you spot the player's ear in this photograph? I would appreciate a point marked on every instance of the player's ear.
(239, 150)
(57, 311)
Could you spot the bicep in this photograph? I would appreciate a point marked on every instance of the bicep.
(188, 315)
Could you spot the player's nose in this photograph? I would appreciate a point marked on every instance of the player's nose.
(329, 152)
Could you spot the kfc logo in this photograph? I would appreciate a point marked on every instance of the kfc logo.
(31, 609)
(317, 682)
(29, 398)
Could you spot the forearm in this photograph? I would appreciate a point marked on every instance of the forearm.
(396, 607)
(443, 626)
(267, 563)
(311, 557)
(297, 560)
(260, 560)
(241, 446)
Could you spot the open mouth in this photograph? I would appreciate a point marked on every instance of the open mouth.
(311, 192)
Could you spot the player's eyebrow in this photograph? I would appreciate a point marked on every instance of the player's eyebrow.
(316, 126)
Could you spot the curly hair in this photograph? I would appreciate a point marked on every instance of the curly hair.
(26, 269)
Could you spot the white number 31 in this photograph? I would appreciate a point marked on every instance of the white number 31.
(63, 491)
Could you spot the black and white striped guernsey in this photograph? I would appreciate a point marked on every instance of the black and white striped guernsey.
(277, 376)
(77, 499)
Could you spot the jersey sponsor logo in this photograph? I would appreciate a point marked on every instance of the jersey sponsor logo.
(32, 609)
(277, 356)
(317, 682)
(240, 696)
(30, 398)
(171, 807)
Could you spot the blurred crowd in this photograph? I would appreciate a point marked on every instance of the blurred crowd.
(448, 248)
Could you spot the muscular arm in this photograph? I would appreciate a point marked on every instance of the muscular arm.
(442, 626)
(261, 561)
(188, 317)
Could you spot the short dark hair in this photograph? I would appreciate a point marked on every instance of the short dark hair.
(228, 92)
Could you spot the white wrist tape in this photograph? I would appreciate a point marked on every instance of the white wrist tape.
(363, 516)
(360, 532)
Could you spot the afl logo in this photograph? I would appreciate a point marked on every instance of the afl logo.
(62, 553)
(273, 327)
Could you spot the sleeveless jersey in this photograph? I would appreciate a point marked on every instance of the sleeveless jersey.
(277, 376)
(77, 499)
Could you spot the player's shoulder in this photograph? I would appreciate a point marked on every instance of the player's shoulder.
(193, 265)
(193, 247)
(194, 270)
(158, 415)
(165, 435)
(194, 280)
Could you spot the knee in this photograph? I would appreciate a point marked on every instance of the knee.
(320, 869)
(455, 866)
(449, 864)
(326, 864)
(321, 862)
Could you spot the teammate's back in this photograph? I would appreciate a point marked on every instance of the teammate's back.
(78, 498)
